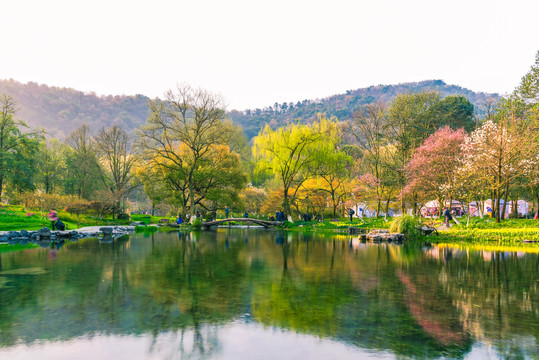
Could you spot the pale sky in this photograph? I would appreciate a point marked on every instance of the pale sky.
(255, 53)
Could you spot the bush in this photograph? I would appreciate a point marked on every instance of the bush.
(122, 216)
(197, 223)
(407, 225)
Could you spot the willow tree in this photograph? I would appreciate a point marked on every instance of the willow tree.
(181, 136)
(289, 152)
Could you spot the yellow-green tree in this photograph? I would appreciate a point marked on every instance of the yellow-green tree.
(289, 152)
(181, 135)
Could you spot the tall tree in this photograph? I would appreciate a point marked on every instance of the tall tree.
(412, 118)
(118, 157)
(499, 153)
(190, 120)
(431, 171)
(52, 156)
(83, 168)
(289, 152)
(368, 128)
(14, 145)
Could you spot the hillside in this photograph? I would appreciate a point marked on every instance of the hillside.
(60, 110)
(343, 105)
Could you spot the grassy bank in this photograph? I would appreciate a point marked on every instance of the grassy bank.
(17, 218)
(341, 224)
(486, 233)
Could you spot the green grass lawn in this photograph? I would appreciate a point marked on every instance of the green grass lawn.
(341, 223)
(486, 233)
(16, 218)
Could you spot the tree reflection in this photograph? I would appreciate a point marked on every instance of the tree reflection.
(424, 303)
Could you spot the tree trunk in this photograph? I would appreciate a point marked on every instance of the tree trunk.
(514, 208)
(1, 186)
(402, 204)
(286, 203)
(505, 197)
(480, 206)
(468, 215)
(192, 198)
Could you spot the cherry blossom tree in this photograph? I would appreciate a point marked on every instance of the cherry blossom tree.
(431, 171)
(498, 153)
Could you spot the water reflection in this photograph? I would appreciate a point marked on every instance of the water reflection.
(333, 292)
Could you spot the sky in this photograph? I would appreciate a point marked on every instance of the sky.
(255, 53)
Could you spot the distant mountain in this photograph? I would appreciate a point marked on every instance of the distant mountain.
(61, 110)
(343, 105)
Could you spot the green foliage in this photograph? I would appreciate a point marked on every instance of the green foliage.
(407, 225)
(146, 229)
(16, 218)
(291, 151)
(197, 223)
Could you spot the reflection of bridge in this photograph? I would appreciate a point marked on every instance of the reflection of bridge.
(265, 223)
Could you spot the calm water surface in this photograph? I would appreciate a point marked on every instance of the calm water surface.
(248, 294)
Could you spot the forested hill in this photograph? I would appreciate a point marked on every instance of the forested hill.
(60, 110)
(343, 105)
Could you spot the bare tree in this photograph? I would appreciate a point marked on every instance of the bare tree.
(118, 157)
(367, 127)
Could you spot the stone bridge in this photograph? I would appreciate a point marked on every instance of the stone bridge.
(265, 223)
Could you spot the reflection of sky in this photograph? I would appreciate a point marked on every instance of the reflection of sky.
(234, 341)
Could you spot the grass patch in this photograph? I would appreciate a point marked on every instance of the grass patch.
(521, 234)
(337, 224)
(16, 218)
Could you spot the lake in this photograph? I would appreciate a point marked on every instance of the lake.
(261, 294)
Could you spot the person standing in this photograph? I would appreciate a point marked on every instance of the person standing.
(227, 212)
(447, 216)
(351, 213)
(53, 217)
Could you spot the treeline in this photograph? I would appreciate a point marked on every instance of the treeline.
(188, 157)
(61, 110)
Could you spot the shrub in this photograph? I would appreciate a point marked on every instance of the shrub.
(122, 216)
(197, 223)
(407, 225)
